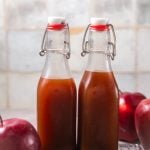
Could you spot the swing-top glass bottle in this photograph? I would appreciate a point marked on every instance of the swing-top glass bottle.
(98, 96)
(56, 94)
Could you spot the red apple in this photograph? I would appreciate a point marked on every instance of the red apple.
(142, 123)
(18, 134)
(127, 104)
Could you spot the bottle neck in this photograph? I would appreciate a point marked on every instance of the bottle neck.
(98, 40)
(98, 59)
(98, 62)
(56, 64)
(55, 40)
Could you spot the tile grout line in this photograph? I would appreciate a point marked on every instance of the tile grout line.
(7, 51)
(73, 71)
(78, 30)
(136, 42)
(136, 59)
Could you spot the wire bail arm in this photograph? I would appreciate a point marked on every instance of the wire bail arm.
(67, 47)
(111, 51)
(85, 43)
(43, 49)
(112, 43)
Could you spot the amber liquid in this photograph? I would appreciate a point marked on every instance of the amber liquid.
(57, 114)
(98, 112)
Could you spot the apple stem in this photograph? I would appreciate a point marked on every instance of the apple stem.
(1, 121)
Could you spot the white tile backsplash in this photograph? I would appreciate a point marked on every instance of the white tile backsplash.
(75, 11)
(143, 47)
(125, 50)
(1, 14)
(26, 14)
(24, 50)
(3, 52)
(22, 90)
(143, 12)
(77, 62)
(77, 78)
(3, 90)
(126, 82)
(118, 11)
(143, 83)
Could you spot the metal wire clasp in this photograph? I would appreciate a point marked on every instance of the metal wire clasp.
(111, 51)
(66, 50)
(112, 41)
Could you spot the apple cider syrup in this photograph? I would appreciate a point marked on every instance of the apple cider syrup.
(97, 96)
(56, 93)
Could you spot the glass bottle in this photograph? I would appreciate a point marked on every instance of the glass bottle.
(98, 96)
(56, 93)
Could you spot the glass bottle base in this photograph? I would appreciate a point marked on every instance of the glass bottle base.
(129, 146)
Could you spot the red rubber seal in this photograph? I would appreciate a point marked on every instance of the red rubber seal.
(99, 27)
(55, 26)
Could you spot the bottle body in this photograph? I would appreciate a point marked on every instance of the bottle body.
(98, 116)
(97, 95)
(56, 92)
(57, 113)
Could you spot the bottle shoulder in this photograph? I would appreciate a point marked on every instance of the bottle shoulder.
(97, 79)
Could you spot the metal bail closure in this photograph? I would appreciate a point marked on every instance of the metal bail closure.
(67, 43)
(85, 43)
(43, 49)
(111, 44)
(66, 49)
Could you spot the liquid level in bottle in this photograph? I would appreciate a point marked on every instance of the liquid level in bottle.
(57, 114)
(98, 112)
